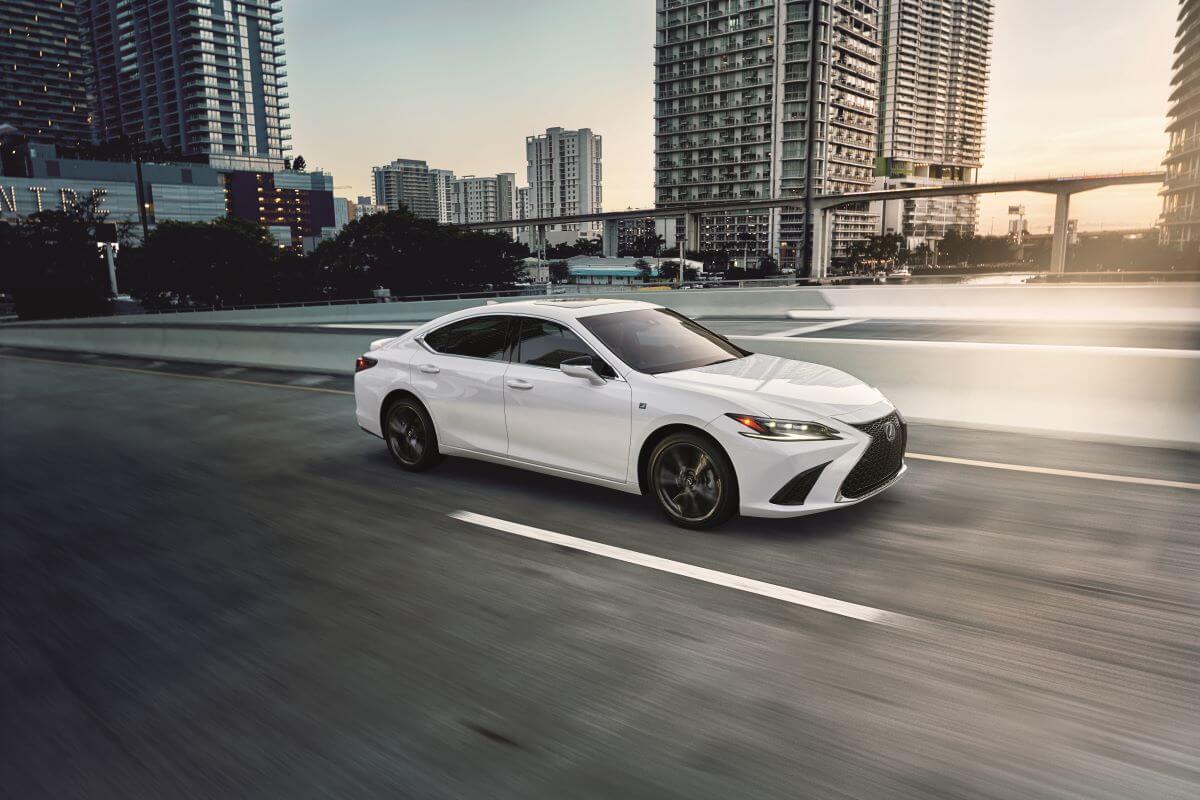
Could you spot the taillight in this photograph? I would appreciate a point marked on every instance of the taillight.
(362, 362)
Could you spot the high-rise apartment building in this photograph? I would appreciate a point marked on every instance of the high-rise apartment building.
(934, 76)
(194, 76)
(43, 71)
(506, 195)
(736, 120)
(1181, 192)
(410, 183)
(475, 199)
(442, 188)
(489, 199)
(522, 209)
(563, 172)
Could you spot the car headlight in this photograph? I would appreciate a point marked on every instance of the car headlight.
(783, 430)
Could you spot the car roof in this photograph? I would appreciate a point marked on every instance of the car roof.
(566, 307)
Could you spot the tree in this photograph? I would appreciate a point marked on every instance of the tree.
(559, 272)
(647, 243)
(581, 247)
(298, 164)
(226, 262)
(410, 255)
(643, 268)
(51, 266)
(768, 266)
(669, 271)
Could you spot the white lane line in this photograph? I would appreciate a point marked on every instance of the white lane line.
(820, 326)
(748, 585)
(1066, 473)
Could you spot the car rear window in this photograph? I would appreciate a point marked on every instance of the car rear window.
(477, 337)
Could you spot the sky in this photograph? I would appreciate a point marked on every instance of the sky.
(1077, 86)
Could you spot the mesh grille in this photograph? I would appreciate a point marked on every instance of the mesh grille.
(882, 459)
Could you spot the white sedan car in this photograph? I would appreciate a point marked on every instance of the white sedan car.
(635, 397)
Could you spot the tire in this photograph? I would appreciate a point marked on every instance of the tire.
(692, 481)
(410, 435)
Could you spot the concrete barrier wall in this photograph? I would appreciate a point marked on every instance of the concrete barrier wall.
(1107, 393)
(1161, 303)
(1093, 392)
(282, 349)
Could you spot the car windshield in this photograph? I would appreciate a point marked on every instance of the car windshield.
(655, 340)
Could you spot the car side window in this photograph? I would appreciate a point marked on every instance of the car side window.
(548, 344)
(477, 337)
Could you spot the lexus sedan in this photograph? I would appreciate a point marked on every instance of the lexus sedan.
(635, 397)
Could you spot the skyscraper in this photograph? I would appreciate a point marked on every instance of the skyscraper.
(1181, 193)
(442, 189)
(563, 171)
(936, 57)
(196, 76)
(409, 183)
(506, 196)
(735, 119)
(43, 70)
(475, 199)
(488, 199)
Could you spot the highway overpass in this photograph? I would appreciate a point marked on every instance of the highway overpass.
(1063, 188)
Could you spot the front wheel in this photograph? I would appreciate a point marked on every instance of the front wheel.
(410, 436)
(692, 481)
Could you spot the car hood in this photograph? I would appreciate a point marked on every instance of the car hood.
(783, 388)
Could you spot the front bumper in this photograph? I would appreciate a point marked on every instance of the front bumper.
(765, 468)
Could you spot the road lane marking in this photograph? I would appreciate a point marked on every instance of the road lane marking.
(1065, 473)
(748, 585)
(160, 373)
(820, 326)
(1095, 476)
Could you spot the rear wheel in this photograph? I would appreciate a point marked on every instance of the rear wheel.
(410, 436)
(692, 481)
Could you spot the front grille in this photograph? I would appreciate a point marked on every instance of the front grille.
(795, 491)
(882, 459)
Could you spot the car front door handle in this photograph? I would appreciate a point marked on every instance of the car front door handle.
(517, 383)
(429, 369)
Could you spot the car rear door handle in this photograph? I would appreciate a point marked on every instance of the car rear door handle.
(429, 368)
(517, 383)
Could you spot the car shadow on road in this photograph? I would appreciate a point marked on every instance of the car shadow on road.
(532, 498)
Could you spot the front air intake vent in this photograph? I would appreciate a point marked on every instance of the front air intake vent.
(795, 491)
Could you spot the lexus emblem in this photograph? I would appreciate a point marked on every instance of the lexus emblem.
(889, 430)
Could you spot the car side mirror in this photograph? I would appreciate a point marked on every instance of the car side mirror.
(581, 367)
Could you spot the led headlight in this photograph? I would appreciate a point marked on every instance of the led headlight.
(783, 430)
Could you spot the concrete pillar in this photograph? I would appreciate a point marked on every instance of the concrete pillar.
(1058, 247)
(610, 240)
(691, 229)
(112, 268)
(822, 232)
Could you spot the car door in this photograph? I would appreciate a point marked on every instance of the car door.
(560, 421)
(459, 373)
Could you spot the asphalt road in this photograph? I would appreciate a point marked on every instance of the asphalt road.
(214, 585)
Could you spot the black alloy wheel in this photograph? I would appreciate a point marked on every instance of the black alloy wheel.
(410, 436)
(692, 481)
